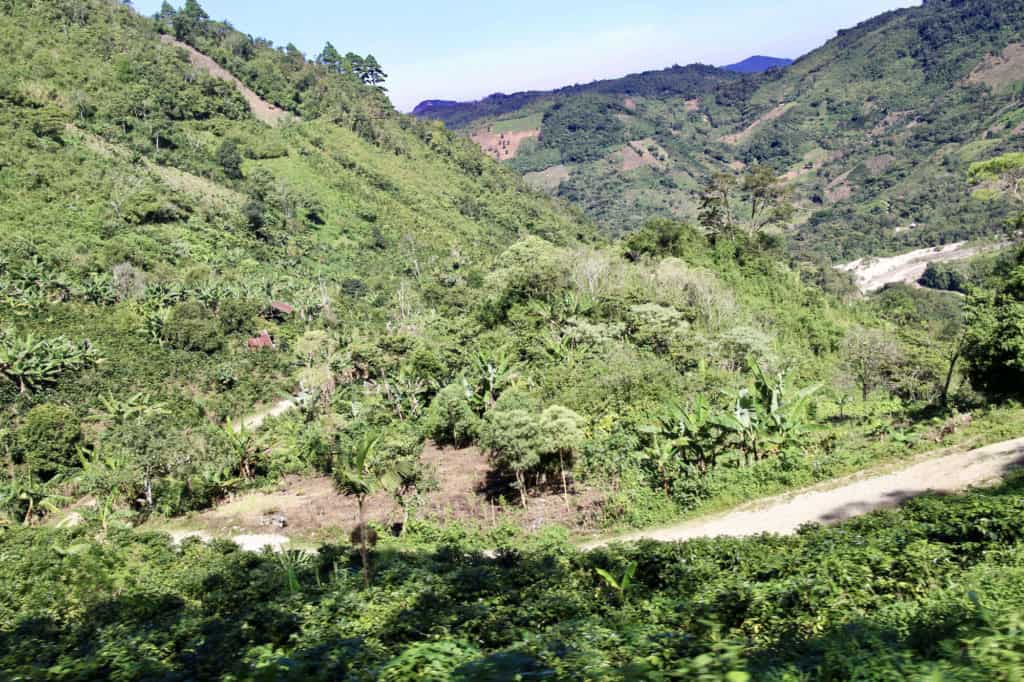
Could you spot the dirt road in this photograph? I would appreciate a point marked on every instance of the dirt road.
(854, 496)
(874, 273)
(254, 421)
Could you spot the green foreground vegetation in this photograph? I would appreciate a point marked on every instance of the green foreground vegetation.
(929, 592)
(171, 265)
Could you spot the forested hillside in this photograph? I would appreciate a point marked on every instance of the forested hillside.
(872, 134)
(201, 227)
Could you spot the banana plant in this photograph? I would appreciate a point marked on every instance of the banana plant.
(120, 411)
(767, 420)
(359, 474)
(620, 586)
(31, 363)
(693, 436)
(25, 500)
(248, 449)
(292, 562)
(491, 374)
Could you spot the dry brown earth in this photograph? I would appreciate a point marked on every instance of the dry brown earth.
(261, 109)
(502, 146)
(1000, 71)
(743, 135)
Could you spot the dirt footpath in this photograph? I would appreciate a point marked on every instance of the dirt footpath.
(785, 514)
(262, 109)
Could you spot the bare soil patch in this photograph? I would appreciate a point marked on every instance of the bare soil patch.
(839, 189)
(1000, 71)
(891, 119)
(638, 154)
(503, 146)
(743, 135)
(261, 109)
(879, 164)
(692, 105)
(629, 103)
(548, 179)
(874, 273)
(309, 507)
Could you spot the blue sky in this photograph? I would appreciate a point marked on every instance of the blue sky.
(457, 49)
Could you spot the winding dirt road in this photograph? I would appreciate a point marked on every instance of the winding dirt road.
(855, 496)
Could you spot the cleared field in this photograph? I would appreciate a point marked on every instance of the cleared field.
(548, 179)
(518, 125)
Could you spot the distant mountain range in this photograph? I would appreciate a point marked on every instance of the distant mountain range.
(449, 109)
(758, 64)
(452, 111)
(873, 133)
(692, 80)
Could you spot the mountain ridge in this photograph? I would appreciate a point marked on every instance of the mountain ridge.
(690, 79)
(758, 64)
(858, 123)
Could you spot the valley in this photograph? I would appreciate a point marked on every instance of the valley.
(698, 373)
(861, 157)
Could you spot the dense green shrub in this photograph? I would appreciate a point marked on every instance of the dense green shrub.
(945, 277)
(230, 159)
(48, 440)
(661, 237)
(451, 419)
(893, 595)
(191, 326)
(236, 315)
(994, 346)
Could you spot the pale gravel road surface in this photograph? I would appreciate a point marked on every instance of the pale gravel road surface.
(254, 421)
(786, 513)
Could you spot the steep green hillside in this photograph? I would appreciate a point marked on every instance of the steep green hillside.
(152, 221)
(119, 157)
(872, 134)
(182, 252)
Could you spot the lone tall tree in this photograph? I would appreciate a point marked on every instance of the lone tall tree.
(871, 355)
(372, 73)
(331, 58)
(715, 214)
(769, 204)
(190, 20)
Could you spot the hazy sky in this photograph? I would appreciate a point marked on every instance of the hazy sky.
(456, 49)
